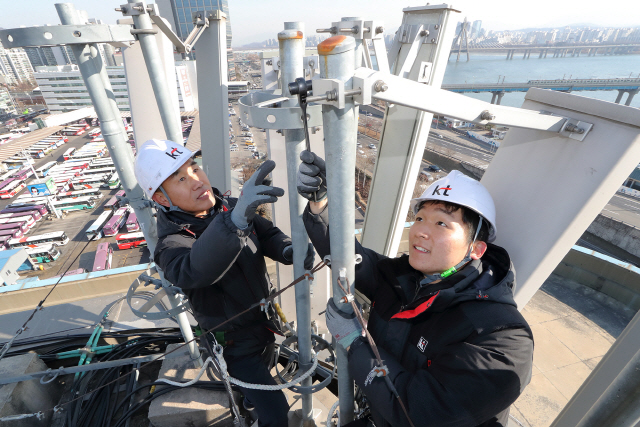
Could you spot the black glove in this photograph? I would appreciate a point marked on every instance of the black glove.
(254, 193)
(312, 177)
(287, 253)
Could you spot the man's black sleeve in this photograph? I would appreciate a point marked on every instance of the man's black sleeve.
(318, 230)
(468, 384)
(272, 239)
(194, 264)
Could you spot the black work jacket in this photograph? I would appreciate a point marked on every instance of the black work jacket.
(222, 270)
(459, 353)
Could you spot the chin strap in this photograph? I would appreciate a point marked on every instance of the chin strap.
(171, 208)
(430, 278)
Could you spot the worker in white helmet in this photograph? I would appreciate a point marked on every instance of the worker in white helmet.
(213, 248)
(443, 317)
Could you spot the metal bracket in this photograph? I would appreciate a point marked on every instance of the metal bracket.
(376, 30)
(333, 88)
(65, 34)
(575, 129)
(133, 9)
(408, 33)
(255, 112)
(432, 33)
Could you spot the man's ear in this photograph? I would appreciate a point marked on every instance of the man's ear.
(479, 248)
(159, 198)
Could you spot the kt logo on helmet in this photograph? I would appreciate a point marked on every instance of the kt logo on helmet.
(444, 191)
(174, 153)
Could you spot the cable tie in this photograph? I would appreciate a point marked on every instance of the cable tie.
(57, 409)
(263, 305)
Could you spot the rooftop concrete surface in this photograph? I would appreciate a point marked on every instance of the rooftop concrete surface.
(573, 327)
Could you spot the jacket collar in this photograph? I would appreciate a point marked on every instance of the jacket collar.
(492, 278)
(177, 221)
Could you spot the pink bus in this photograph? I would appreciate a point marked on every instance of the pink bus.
(132, 223)
(40, 208)
(119, 217)
(22, 226)
(14, 233)
(103, 258)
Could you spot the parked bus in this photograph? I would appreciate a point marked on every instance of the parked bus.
(36, 153)
(86, 156)
(4, 243)
(99, 165)
(94, 232)
(58, 238)
(67, 154)
(113, 202)
(20, 225)
(6, 175)
(12, 188)
(43, 170)
(80, 183)
(18, 162)
(114, 181)
(14, 233)
(26, 218)
(77, 204)
(99, 171)
(23, 174)
(93, 192)
(43, 254)
(132, 223)
(73, 130)
(40, 208)
(35, 214)
(102, 160)
(103, 257)
(119, 217)
(130, 240)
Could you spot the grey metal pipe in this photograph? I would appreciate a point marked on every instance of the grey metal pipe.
(70, 16)
(213, 97)
(618, 405)
(122, 158)
(336, 55)
(158, 79)
(291, 42)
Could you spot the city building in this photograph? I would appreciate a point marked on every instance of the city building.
(64, 90)
(7, 105)
(475, 29)
(49, 56)
(179, 15)
(15, 66)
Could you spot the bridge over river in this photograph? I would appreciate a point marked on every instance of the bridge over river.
(554, 51)
(628, 85)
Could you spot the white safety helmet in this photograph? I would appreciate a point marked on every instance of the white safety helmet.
(156, 160)
(462, 190)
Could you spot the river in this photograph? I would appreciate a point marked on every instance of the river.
(490, 68)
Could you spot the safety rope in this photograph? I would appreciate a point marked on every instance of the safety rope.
(381, 370)
(306, 275)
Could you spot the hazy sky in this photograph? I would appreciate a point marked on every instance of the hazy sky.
(257, 20)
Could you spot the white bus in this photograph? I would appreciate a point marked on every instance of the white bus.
(58, 238)
(67, 154)
(26, 218)
(98, 171)
(43, 170)
(95, 230)
(75, 204)
(93, 192)
(43, 254)
(85, 156)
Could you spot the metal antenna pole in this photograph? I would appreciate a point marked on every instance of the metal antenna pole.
(70, 16)
(121, 155)
(337, 62)
(155, 67)
(291, 67)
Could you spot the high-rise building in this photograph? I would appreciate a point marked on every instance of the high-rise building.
(7, 105)
(63, 88)
(475, 29)
(15, 66)
(48, 56)
(179, 15)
